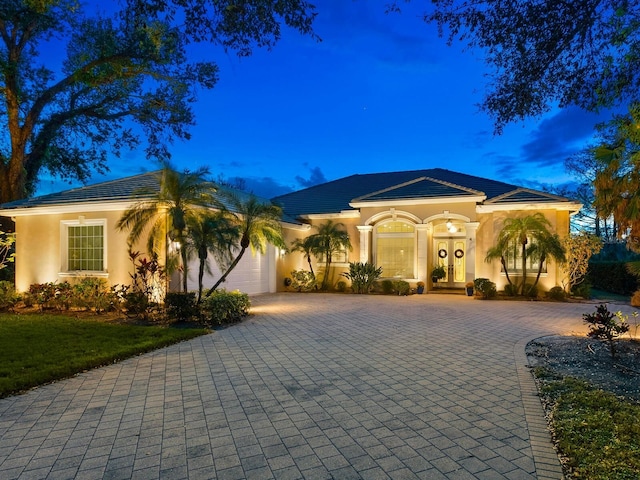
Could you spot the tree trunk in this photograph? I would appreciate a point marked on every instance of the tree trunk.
(524, 267)
(12, 179)
(183, 256)
(506, 272)
(200, 277)
(224, 276)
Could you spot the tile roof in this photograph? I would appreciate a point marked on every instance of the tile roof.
(525, 195)
(122, 189)
(335, 196)
(136, 187)
(421, 187)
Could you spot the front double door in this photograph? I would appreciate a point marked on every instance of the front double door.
(451, 254)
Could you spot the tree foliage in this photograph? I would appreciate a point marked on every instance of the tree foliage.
(126, 81)
(258, 225)
(530, 234)
(582, 53)
(617, 183)
(330, 239)
(579, 249)
(166, 213)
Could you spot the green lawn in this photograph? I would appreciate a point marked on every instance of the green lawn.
(597, 433)
(36, 349)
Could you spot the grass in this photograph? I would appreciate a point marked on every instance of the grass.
(37, 349)
(597, 433)
(602, 295)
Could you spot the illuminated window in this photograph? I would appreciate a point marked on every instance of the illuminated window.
(340, 256)
(513, 259)
(84, 246)
(396, 249)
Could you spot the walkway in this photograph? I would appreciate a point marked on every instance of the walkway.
(312, 386)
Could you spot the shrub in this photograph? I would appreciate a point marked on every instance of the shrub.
(387, 287)
(401, 287)
(341, 286)
(606, 326)
(511, 290)
(93, 293)
(181, 306)
(51, 295)
(557, 293)
(612, 277)
(8, 295)
(362, 276)
(582, 290)
(222, 307)
(485, 287)
(530, 290)
(303, 280)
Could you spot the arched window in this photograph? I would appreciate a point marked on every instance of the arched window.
(395, 249)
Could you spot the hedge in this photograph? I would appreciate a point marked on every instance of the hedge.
(612, 277)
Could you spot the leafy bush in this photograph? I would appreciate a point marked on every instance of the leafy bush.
(362, 276)
(387, 287)
(612, 277)
(93, 294)
(557, 293)
(511, 290)
(303, 280)
(51, 295)
(181, 306)
(222, 307)
(582, 290)
(8, 295)
(530, 290)
(485, 287)
(401, 287)
(606, 326)
(341, 286)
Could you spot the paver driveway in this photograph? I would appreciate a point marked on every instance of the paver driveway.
(312, 386)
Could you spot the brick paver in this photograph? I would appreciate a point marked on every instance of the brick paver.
(312, 386)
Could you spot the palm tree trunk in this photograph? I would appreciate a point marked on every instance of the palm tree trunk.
(200, 277)
(183, 256)
(506, 272)
(224, 276)
(542, 259)
(524, 267)
(310, 266)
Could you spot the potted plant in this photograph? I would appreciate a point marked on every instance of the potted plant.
(420, 287)
(469, 287)
(438, 273)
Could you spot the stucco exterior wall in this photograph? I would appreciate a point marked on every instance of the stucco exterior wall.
(39, 251)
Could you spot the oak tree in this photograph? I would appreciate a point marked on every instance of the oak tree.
(127, 80)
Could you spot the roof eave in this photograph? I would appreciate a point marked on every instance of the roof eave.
(564, 206)
(419, 201)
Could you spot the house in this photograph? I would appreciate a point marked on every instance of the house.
(410, 221)
(72, 234)
(406, 222)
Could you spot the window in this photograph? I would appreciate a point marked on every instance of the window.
(513, 259)
(83, 246)
(396, 249)
(341, 256)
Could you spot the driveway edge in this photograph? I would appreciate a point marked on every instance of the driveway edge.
(545, 458)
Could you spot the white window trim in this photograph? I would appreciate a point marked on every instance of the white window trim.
(64, 248)
(413, 234)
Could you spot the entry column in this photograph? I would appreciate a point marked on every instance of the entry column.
(422, 256)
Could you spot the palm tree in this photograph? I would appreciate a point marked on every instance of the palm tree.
(547, 246)
(330, 239)
(516, 233)
(166, 211)
(215, 233)
(305, 247)
(259, 225)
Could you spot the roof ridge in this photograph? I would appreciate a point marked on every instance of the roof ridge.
(529, 190)
(393, 187)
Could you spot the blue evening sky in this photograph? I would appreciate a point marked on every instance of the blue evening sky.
(381, 92)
